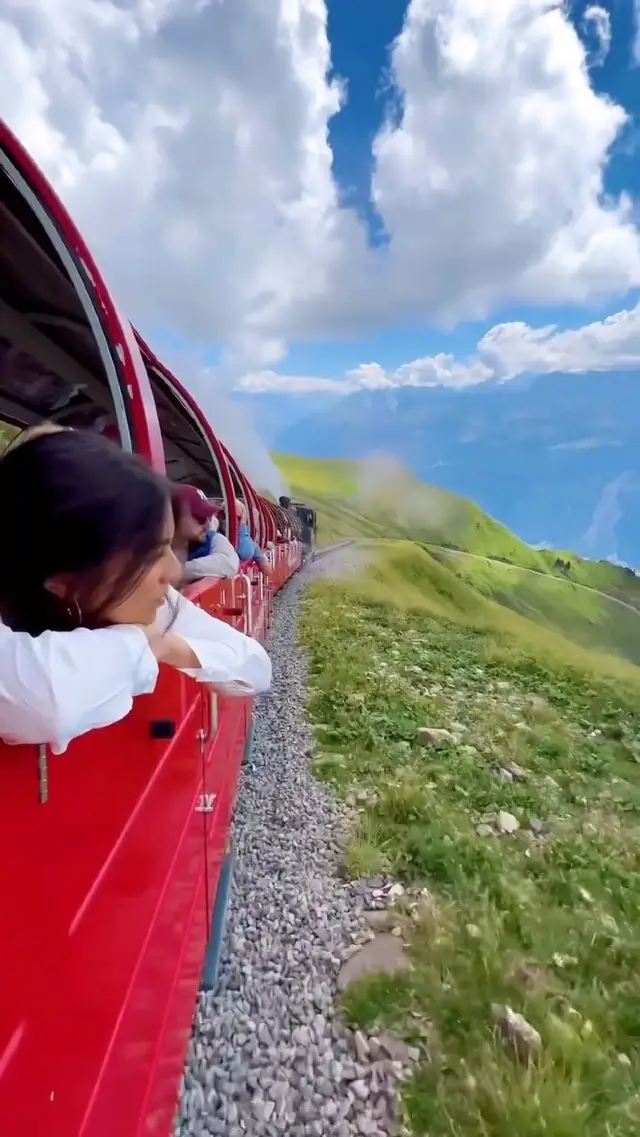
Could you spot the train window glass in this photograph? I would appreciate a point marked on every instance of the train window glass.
(50, 363)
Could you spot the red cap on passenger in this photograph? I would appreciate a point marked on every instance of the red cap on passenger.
(201, 509)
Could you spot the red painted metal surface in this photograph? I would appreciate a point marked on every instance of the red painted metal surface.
(217, 449)
(107, 888)
(98, 865)
(135, 388)
(111, 906)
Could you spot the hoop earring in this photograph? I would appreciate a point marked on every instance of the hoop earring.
(74, 612)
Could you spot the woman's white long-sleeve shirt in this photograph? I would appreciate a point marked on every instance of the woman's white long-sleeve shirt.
(59, 685)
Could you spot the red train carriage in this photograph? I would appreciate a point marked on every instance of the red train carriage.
(112, 854)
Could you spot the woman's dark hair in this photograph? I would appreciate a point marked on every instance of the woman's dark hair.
(71, 502)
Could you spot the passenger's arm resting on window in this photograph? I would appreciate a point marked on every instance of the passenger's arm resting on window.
(59, 685)
(229, 660)
(216, 564)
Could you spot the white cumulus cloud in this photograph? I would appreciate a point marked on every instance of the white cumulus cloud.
(189, 139)
(597, 22)
(504, 352)
(491, 182)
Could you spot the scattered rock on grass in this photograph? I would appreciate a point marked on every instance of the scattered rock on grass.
(361, 1046)
(485, 830)
(517, 1032)
(506, 822)
(433, 736)
(386, 1045)
(537, 703)
(385, 953)
(538, 827)
(379, 919)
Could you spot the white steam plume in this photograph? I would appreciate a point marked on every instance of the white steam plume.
(230, 421)
(600, 536)
(383, 482)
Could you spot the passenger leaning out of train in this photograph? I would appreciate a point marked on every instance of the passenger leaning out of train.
(201, 549)
(87, 605)
(247, 549)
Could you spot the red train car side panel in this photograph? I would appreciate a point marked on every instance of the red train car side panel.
(110, 884)
(107, 879)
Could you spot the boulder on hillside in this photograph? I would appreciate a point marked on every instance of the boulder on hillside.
(433, 736)
(517, 1032)
(385, 953)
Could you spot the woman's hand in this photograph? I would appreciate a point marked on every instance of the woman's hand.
(172, 650)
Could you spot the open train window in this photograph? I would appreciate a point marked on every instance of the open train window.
(187, 452)
(238, 491)
(55, 360)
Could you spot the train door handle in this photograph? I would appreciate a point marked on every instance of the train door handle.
(205, 735)
(43, 773)
(248, 613)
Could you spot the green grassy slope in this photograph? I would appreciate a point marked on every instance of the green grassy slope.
(384, 500)
(589, 618)
(543, 615)
(533, 677)
(545, 920)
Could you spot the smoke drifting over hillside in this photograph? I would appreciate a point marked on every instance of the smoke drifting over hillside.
(233, 425)
(231, 422)
(601, 532)
(383, 482)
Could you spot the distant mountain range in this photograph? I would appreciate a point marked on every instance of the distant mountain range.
(556, 458)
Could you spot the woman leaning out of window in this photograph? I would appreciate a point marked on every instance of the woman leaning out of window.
(87, 603)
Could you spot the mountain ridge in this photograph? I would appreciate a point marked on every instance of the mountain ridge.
(555, 457)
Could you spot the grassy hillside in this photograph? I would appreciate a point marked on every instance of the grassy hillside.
(515, 834)
(380, 499)
(516, 837)
(589, 618)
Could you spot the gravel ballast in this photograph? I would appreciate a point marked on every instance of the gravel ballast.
(268, 1054)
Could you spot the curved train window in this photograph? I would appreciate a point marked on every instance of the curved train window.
(50, 363)
(187, 452)
(254, 525)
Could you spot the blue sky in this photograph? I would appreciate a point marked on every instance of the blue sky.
(361, 32)
(407, 64)
(271, 226)
(452, 213)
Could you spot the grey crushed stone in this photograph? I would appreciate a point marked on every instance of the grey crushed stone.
(268, 1055)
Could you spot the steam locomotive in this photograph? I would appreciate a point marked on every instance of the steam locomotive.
(306, 519)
